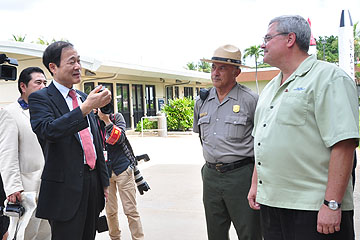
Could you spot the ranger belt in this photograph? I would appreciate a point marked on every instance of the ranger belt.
(224, 167)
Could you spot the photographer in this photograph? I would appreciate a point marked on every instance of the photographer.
(120, 164)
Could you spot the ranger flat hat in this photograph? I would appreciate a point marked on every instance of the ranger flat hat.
(228, 54)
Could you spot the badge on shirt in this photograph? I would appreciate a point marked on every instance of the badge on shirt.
(203, 114)
(236, 108)
(105, 155)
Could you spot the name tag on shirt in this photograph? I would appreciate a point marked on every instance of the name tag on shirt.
(105, 155)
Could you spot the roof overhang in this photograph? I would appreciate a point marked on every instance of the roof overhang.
(31, 51)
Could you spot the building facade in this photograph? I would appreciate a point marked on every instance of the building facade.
(137, 90)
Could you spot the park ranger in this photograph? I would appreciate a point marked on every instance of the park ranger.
(224, 119)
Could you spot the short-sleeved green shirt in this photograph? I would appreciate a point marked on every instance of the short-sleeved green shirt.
(296, 124)
(226, 127)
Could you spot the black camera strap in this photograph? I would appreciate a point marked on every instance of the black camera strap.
(204, 93)
(17, 227)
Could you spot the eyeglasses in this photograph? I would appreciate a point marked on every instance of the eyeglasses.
(267, 38)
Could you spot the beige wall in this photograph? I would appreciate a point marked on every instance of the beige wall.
(252, 85)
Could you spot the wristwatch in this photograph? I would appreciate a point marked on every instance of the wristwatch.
(332, 204)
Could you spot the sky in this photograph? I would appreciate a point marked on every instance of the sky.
(162, 33)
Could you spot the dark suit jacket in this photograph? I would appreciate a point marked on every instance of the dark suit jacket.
(62, 178)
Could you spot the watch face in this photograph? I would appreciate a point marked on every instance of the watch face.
(333, 205)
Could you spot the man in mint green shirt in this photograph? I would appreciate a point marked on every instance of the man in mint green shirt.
(306, 129)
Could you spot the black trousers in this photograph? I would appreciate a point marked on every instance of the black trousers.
(83, 224)
(289, 224)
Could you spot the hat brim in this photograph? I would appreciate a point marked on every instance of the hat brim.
(218, 61)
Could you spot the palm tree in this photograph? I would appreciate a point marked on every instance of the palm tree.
(254, 51)
(204, 67)
(191, 66)
(19, 38)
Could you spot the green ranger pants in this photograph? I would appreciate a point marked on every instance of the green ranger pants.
(225, 201)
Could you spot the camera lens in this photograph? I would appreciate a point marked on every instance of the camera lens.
(107, 109)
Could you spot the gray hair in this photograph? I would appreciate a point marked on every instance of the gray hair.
(297, 25)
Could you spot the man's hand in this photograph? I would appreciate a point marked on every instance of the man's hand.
(328, 220)
(252, 192)
(104, 117)
(252, 197)
(95, 99)
(13, 198)
(106, 193)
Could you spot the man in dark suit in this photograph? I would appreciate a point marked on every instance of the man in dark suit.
(74, 181)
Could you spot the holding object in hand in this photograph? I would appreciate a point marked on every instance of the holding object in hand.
(109, 108)
(141, 184)
(14, 209)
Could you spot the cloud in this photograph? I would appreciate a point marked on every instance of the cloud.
(17, 5)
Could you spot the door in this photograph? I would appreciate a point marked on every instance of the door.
(169, 93)
(150, 100)
(122, 101)
(137, 101)
(188, 92)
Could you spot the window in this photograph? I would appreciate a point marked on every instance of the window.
(169, 93)
(176, 92)
(88, 87)
(188, 92)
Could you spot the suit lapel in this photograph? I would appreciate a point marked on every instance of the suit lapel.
(57, 99)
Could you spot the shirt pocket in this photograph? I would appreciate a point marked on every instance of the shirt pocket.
(293, 109)
(235, 127)
(204, 123)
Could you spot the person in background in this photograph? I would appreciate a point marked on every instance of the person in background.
(21, 156)
(121, 171)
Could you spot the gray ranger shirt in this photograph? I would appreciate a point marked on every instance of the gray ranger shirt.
(226, 127)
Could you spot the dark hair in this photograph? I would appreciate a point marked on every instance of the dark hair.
(52, 53)
(25, 76)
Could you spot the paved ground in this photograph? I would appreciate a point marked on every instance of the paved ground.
(173, 208)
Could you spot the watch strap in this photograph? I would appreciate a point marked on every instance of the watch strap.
(327, 203)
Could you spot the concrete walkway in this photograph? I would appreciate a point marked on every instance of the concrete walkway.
(173, 208)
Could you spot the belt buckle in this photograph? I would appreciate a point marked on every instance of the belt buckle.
(218, 167)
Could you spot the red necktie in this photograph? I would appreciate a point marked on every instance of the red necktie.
(85, 136)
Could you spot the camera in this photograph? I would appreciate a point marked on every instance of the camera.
(14, 209)
(109, 108)
(141, 184)
(8, 72)
(144, 157)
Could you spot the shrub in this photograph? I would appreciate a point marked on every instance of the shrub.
(179, 114)
(146, 125)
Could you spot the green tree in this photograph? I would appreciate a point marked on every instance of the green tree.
(179, 114)
(43, 41)
(19, 38)
(331, 48)
(356, 42)
(204, 67)
(191, 66)
(254, 51)
(200, 66)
